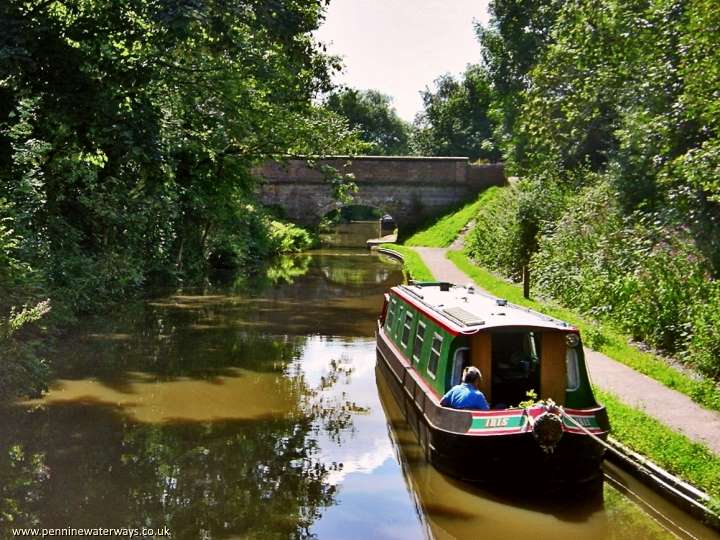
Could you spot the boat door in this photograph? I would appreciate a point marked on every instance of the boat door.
(516, 365)
(480, 357)
(461, 360)
(553, 367)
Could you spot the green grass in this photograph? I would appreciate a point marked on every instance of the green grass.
(598, 336)
(444, 230)
(413, 265)
(672, 451)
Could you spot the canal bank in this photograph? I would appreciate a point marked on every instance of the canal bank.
(635, 388)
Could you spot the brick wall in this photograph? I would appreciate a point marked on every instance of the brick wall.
(409, 188)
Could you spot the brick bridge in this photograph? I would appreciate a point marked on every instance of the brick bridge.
(410, 189)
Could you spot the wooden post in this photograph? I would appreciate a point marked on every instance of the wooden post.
(526, 281)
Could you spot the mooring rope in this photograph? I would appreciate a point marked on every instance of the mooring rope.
(657, 515)
(660, 516)
(595, 437)
(637, 462)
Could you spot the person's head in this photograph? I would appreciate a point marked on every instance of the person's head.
(472, 375)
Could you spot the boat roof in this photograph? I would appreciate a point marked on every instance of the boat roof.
(466, 310)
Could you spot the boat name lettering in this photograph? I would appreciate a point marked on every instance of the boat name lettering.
(585, 421)
(499, 421)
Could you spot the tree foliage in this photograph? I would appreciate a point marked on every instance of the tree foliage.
(128, 130)
(455, 118)
(511, 45)
(371, 113)
(609, 112)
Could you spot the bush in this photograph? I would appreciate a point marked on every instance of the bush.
(641, 275)
(638, 272)
(509, 224)
(704, 340)
(495, 240)
(24, 372)
(289, 238)
(249, 235)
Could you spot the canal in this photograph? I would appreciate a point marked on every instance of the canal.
(250, 408)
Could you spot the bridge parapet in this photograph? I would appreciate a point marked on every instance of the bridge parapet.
(411, 189)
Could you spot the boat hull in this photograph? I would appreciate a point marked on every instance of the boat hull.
(501, 460)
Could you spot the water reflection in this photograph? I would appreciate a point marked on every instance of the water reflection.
(453, 509)
(216, 413)
(201, 479)
(283, 270)
(350, 235)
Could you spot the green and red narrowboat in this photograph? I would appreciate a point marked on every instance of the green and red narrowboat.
(428, 332)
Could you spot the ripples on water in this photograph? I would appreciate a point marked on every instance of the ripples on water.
(250, 409)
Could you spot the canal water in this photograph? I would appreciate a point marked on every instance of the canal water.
(251, 409)
(351, 235)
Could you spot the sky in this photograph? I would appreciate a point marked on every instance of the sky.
(401, 46)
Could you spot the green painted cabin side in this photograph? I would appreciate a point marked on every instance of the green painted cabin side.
(431, 350)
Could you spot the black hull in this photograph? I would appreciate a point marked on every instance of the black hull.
(500, 461)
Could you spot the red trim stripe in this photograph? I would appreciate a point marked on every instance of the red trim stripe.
(497, 412)
(445, 325)
(497, 431)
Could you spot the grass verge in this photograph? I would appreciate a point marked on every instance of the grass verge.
(672, 451)
(443, 231)
(412, 263)
(598, 336)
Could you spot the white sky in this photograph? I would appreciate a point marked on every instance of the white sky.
(401, 46)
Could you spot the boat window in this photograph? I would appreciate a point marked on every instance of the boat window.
(572, 369)
(460, 362)
(434, 355)
(419, 339)
(406, 328)
(398, 320)
(391, 314)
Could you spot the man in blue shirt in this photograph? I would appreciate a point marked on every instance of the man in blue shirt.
(466, 395)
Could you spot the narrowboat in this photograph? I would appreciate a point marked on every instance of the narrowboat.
(429, 332)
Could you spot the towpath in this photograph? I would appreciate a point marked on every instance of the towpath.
(668, 406)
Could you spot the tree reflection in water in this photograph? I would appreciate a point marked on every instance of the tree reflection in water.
(126, 441)
(202, 479)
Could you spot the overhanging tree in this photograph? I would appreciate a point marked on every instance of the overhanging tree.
(371, 113)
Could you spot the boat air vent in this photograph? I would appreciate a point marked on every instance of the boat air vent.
(444, 286)
(470, 289)
(463, 316)
(501, 302)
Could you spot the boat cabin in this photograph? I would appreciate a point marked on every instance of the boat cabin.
(440, 328)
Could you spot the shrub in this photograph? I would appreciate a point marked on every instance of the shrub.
(249, 234)
(637, 271)
(24, 372)
(289, 238)
(704, 327)
(495, 240)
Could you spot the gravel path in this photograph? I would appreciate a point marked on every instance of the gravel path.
(669, 407)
